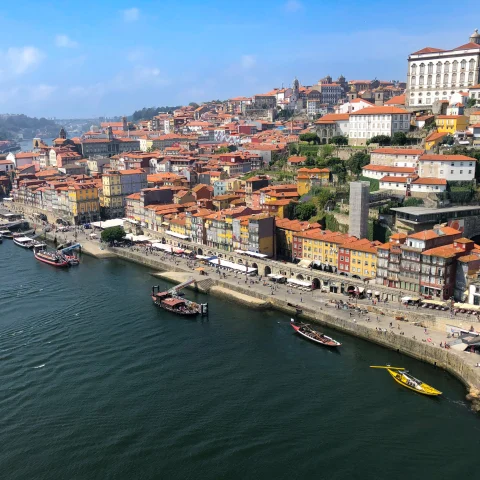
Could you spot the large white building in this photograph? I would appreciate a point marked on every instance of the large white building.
(436, 74)
(372, 121)
(449, 167)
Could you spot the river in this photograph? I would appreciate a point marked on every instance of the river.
(97, 383)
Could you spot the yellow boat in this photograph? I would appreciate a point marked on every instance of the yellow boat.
(403, 377)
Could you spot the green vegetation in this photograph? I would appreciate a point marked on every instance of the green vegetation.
(374, 183)
(339, 140)
(382, 140)
(305, 211)
(12, 125)
(304, 149)
(461, 192)
(148, 113)
(311, 138)
(377, 231)
(471, 102)
(113, 234)
(357, 161)
(399, 138)
(194, 105)
(412, 202)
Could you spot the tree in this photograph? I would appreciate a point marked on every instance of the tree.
(222, 150)
(340, 170)
(232, 148)
(357, 161)
(305, 211)
(310, 138)
(339, 140)
(471, 102)
(309, 162)
(399, 138)
(194, 105)
(113, 234)
(326, 151)
(324, 196)
(382, 140)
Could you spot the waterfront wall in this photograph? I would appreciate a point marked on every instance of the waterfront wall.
(446, 359)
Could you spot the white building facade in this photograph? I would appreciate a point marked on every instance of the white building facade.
(373, 121)
(437, 74)
(448, 167)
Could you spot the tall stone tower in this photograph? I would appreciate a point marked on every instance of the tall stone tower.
(359, 201)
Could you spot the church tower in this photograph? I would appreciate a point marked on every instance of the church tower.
(475, 37)
(352, 94)
(62, 134)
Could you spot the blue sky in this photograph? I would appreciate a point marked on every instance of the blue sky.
(85, 59)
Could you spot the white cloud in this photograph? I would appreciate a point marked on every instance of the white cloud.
(63, 41)
(293, 6)
(131, 14)
(17, 61)
(248, 61)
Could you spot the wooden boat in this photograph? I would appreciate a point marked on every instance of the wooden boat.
(403, 377)
(51, 258)
(173, 303)
(305, 331)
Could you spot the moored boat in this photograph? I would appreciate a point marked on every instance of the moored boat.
(6, 233)
(171, 301)
(24, 242)
(51, 258)
(403, 377)
(305, 331)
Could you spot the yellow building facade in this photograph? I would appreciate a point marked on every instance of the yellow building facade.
(310, 177)
(84, 202)
(451, 123)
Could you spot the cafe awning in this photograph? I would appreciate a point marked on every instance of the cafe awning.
(176, 235)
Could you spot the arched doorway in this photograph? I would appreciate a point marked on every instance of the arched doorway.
(254, 265)
(199, 251)
(299, 276)
(315, 283)
(267, 270)
(209, 252)
(240, 261)
(231, 259)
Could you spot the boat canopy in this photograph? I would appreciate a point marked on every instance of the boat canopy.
(438, 303)
(23, 239)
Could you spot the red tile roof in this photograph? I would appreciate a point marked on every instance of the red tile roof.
(446, 158)
(428, 50)
(380, 111)
(398, 151)
(397, 100)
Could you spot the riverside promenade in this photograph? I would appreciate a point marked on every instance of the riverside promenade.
(378, 325)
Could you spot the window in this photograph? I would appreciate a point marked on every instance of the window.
(451, 172)
(469, 171)
(454, 66)
(441, 171)
(421, 80)
(439, 67)
(422, 68)
(461, 172)
(463, 64)
(429, 79)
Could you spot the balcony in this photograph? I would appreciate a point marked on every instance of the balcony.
(406, 278)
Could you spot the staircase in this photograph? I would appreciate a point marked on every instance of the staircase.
(205, 285)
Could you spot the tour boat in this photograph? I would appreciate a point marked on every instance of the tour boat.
(305, 331)
(171, 302)
(24, 242)
(72, 259)
(403, 377)
(51, 258)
